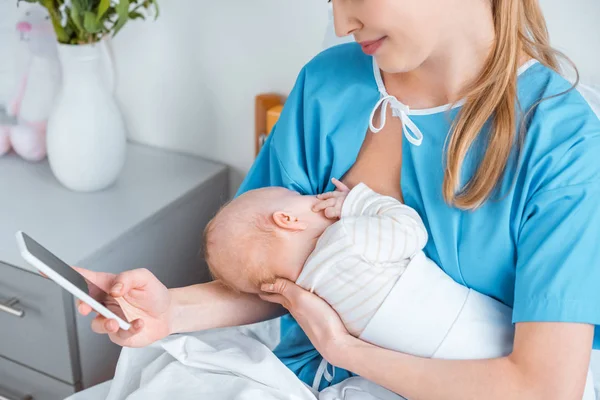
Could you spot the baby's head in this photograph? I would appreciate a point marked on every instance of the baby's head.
(261, 235)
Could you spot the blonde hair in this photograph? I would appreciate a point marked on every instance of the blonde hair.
(520, 28)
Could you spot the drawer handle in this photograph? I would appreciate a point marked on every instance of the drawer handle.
(11, 306)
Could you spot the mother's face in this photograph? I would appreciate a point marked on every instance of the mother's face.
(410, 30)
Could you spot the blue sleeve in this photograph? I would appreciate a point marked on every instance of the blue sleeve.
(280, 161)
(558, 253)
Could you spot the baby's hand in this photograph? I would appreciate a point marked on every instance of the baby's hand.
(332, 202)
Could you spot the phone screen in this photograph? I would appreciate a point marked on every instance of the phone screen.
(74, 277)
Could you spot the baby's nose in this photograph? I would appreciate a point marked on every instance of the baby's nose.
(24, 27)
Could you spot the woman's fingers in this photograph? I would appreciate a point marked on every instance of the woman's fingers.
(282, 291)
(128, 280)
(136, 327)
(104, 325)
(83, 308)
(119, 336)
(274, 298)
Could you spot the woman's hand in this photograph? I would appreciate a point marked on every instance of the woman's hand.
(332, 202)
(144, 300)
(317, 319)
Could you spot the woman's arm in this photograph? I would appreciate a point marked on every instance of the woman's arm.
(549, 361)
(156, 311)
(212, 305)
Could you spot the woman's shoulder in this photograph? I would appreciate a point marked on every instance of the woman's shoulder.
(344, 64)
(562, 139)
(551, 97)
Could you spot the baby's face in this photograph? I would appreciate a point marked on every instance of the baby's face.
(261, 235)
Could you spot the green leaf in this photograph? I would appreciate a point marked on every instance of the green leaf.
(76, 17)
(61, 34)
(136, 15)
(102, 9)
(123, 11)
(82, 5)
(90, 23)
(122, 8)
(49, 4)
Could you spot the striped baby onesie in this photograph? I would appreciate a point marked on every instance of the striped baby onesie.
(358, 260)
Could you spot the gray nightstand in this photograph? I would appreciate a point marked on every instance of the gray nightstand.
(152, 218)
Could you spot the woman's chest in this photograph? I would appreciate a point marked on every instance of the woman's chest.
(476, 248)
(379, 162)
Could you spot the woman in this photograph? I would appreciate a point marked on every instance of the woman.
(506, 178)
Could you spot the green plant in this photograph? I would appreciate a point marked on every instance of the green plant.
(88, 21)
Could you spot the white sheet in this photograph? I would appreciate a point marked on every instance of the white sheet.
(207, 365)
(170, 370)
(219, 365)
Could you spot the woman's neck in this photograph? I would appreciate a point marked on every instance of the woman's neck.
(456, 62)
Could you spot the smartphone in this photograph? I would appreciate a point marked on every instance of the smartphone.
(70, 280)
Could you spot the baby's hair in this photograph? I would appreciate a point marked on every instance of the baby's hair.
(259, 231)
(214, 274)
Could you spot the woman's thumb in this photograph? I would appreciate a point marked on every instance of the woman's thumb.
(128, 280)
(282, 287)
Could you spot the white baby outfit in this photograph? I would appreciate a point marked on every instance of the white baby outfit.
(371, 269)
(359, 259)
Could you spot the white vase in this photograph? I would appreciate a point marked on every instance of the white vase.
(86, 133)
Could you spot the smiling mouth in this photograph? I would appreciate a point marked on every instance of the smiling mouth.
(370, 47)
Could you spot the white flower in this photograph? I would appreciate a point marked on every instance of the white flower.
(63, 12)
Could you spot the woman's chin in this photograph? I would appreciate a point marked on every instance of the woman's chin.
(395, 64)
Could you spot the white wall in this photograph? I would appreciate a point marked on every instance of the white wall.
(188, 81)
(575, 29)
(193, 74)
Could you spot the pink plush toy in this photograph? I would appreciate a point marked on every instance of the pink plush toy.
(32, 104)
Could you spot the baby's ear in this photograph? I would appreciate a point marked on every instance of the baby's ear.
(288, 221)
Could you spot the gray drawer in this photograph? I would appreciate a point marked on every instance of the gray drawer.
(18, 382)
(44, 337)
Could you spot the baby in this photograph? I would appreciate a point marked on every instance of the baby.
(352, 264)
(362, 253)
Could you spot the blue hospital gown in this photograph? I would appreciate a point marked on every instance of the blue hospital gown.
(535, 246)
